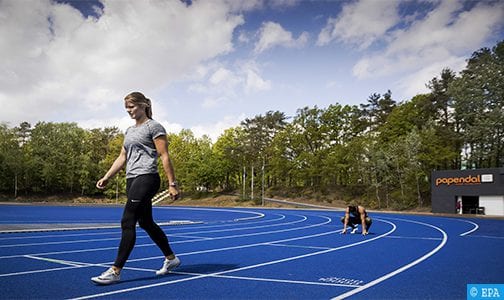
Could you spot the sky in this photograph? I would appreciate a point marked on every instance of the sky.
(208, 65)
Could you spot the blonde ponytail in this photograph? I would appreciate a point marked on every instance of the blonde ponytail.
(148, 108)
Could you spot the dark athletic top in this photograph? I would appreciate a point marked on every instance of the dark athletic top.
(355, 212)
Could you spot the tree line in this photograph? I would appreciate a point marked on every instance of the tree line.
(381, 152)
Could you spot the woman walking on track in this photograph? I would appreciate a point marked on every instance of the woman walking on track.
(143, 143)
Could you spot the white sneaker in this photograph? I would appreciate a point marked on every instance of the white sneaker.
(107, 277)
(354, 230)
(168, 265)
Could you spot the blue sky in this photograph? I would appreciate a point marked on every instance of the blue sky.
(208, 65)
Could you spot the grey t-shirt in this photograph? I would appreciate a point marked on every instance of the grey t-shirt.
(141, 154)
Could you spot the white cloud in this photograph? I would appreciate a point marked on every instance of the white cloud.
(56, 62)
(273, 34)
(333, 84)
(249, 5)
(361, 23)
(283, 3)
(415, 83)
(223, 76)
(244, 5)
(255, 83)
(418, 46)
(215, 130)
(224, 85)
(121, 123)
(243, 37)
(211, 102)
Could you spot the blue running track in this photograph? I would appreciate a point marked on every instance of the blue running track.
(248, 253)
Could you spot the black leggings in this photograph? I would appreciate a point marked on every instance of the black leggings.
(140, 191)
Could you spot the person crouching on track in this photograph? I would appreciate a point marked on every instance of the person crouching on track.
(355, 215)
(143, 143)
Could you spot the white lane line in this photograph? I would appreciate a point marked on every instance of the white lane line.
(476, 227)
(70, 251)
(402, 269)
(63, 242)
(242, 268)
(185, 236)
(414, 238)
(24, 237)
(296, 246)
(269, 279)
(244, 246)
(303, 218)
(118, 232)
(182, 242)
(233, 224)
(79, 264)
(57, 261)
(59, 229)
(38, 271)
(70, 265)
(487, 237)
(255, 214)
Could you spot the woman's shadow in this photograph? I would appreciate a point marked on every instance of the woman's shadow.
(188, 270)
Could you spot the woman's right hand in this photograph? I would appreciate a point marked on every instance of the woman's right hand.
(174, 193)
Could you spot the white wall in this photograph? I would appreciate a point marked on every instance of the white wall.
(494, 205)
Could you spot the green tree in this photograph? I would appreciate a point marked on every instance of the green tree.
(95, 147)
(193, 161)
(226, 152)
(478, 103)
(11, 160)
(339, 125)
(310, 145)
(111, 145)
(447, 123)
(258, 134)
(375, 112)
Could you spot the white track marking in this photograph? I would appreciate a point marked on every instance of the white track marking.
(269, 279)
(62, 242)
(59, 229)
(402, 269)
(296, 246)
(476, 226)
(246, 245)
(303, 218)
(79, 264)
(37, 271)
(414, 238)
(58, 236)
(57, 261)
(70, 264)
(70, 251)
(254, 213)
(173, 229)
(487, 237)
(242, 268)
(181, 242)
